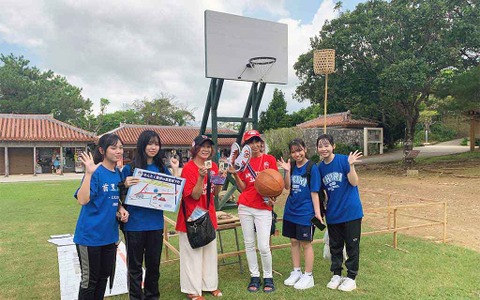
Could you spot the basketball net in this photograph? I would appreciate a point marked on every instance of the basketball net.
(261, 66)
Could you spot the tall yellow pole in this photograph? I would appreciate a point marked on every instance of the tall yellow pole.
(325, 106)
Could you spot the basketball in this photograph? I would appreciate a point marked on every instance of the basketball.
(269, 183)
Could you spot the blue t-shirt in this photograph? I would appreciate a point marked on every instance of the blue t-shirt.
(97, 223)
(140, 218)
(299, 205)
(343, 204)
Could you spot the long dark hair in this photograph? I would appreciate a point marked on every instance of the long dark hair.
(140, 160)
(107, 140)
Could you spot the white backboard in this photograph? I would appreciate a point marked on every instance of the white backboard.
(230, 41)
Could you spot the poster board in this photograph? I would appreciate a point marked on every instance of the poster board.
(70, 273)
(155, 191)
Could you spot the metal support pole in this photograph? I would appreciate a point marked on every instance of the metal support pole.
(7, 163)
(34, 161)
(325, 106)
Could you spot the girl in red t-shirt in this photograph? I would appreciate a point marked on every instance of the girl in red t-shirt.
(255, 214)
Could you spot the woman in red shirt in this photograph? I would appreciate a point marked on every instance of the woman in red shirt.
(255, 213)
(198, 267)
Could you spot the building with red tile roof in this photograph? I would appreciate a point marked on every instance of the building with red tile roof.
(342, 119)
(30, 143)
(174, 138)
(361, 133)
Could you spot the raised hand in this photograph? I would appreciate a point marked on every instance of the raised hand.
(284, 165)
(87, 160)
(354, 157)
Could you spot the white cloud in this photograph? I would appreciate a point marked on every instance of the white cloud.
(127, 50)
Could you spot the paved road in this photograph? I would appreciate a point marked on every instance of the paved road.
(41, 177)
(445, 148)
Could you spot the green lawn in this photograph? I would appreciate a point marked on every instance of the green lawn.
(31, 212)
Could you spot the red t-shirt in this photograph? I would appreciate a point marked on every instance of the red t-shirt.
(190, 173)
(250, 197)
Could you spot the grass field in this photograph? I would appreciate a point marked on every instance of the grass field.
(31, 212)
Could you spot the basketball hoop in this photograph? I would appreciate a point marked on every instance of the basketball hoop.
(261, 65)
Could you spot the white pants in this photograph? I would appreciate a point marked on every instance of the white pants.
(260, 220)
(198, 267)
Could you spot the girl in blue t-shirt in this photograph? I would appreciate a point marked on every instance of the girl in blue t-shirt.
(96, 233)
(144, 230)
(302, 205)
(344, 210)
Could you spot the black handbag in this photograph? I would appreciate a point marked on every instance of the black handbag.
(200, 232)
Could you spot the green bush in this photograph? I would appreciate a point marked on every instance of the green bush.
(346, 149)
(315, 158)
(277, 140)
(466, 140)
(438, 133)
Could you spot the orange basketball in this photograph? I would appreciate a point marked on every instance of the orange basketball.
(269, 183)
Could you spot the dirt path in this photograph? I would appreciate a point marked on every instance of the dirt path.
(457, 184)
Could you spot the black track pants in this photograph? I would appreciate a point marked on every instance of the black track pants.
(347, 234)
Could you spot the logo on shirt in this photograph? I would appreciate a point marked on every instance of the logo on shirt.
(330, 180)
(297, 182)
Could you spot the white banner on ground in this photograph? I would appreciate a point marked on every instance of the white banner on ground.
(69, 269)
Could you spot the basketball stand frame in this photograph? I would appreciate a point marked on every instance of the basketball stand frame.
(250, 115)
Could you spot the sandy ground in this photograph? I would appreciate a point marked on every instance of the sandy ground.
(458, 185)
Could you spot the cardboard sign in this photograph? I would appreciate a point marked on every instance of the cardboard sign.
(155, 191)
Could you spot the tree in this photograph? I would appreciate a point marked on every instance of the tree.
(25, 89)
(388, 57)
(305, 114)
(163, 111)
(461, 91)
(112, 120)
(276, 114)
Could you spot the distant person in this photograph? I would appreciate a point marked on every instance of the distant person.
(56, 165)
(198, 267)
(255, 213)
(96, 233)
(344, 211)
(144, 229)
(301, 206)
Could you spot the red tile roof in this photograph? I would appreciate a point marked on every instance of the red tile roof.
(170, 135)
(44, 128)
(342, 119)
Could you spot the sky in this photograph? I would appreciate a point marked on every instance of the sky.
(125, 50)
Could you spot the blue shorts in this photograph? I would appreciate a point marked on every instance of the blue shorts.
(298, 232)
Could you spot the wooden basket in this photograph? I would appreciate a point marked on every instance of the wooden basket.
(324, 61)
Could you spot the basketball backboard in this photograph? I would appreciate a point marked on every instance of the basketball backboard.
(231, 41)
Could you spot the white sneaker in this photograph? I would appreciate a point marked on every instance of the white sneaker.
(305, 282)
(234, 152)
(243, 159)
(335, 282)
(348, 285)
(294, 277)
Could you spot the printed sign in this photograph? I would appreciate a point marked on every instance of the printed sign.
(155, 191)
